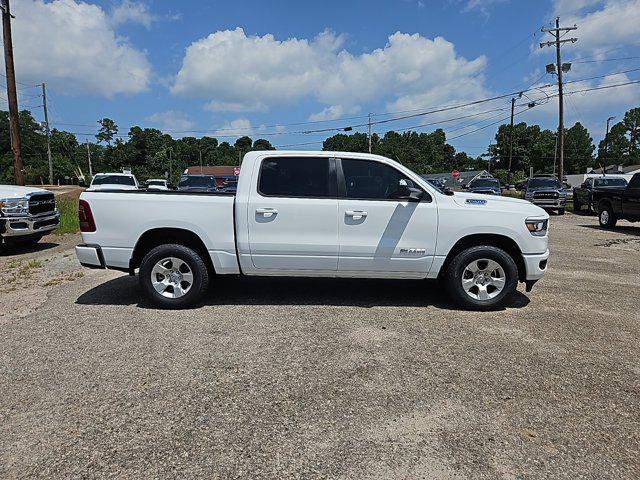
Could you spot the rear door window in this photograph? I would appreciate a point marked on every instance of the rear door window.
(296, 177)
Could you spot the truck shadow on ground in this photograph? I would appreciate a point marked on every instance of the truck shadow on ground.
(295, 291)
(626, 229)
(22, 249)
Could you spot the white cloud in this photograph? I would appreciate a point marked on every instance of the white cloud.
(235, 128)
(612, 23)
(481, 5)
(245, 71)
(237, 107)
(332, 112)
(172, 120)
(72, 46)
(135, 12)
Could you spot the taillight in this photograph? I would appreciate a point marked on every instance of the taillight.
(86, 217)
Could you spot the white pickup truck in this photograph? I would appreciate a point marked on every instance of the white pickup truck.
(26, 214)
(317, 214)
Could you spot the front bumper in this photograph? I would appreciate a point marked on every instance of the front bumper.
(535, 265)
(29, 225)
(549, 202)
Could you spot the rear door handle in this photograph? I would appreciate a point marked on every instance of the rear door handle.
(356, 214)
(266, 212)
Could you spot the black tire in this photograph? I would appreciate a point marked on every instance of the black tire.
(454, 274)
(576, 204)
(196, 265)
(561, 211)
(606, 216)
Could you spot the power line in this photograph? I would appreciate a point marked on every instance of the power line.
(606, 60)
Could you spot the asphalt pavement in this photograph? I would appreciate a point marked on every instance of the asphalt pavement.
(308, 378)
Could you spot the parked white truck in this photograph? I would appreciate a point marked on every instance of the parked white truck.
(317, 214)
(26, 214)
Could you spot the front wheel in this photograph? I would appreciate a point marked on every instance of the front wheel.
(561, 211)
(481, 278)
(607, 217)
(173, 276)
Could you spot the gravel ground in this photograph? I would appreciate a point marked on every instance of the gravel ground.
(279, 378)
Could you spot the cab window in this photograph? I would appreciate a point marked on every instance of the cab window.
(370, 180)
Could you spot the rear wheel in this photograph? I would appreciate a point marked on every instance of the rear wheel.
(606, 216)
(482, 278)
(173, 276)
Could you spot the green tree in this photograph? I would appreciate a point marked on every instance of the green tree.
(107, 131)
(578, 149)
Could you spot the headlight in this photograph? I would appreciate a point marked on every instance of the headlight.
(537, 228)
(14, 206)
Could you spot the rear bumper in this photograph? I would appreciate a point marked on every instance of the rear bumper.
(90, 256)
(535, 265)
(29, 225)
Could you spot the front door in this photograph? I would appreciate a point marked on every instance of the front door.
(292, 215)
(380, 233)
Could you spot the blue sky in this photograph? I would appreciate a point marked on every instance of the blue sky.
(228, 68)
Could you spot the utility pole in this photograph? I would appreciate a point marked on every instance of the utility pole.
(170, 166)
(46, 124)
(369, 134)
(89, 158)
(606, 147)
(200, 154)
(12, 95)
(555, 33)
(513, 106)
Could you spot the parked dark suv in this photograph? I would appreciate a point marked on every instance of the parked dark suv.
(546, 192)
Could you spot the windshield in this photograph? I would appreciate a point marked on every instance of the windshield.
(610, 182)
(197, 181)
(544, 183)
(485, 182)
(156, 182)
(113, 180)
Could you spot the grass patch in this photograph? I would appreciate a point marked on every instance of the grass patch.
(512, 194)
(25, 270)
(67, 278)
(68, 208)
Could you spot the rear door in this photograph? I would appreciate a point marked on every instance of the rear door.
(293, 215)
(380, 233)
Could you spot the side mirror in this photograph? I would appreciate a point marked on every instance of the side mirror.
(465, 187)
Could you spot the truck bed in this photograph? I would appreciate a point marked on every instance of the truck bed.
(209, 215)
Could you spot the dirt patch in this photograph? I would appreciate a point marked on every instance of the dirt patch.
(27, 274)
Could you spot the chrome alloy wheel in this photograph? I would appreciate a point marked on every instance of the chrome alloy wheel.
(483, 279)
(604, 217)
(172, 277)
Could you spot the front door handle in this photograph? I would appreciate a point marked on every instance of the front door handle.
(266, 212)
(356, 214)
